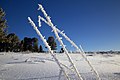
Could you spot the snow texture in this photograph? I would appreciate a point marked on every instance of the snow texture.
(41, 66)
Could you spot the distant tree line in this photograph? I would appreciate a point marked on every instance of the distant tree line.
(11, 42)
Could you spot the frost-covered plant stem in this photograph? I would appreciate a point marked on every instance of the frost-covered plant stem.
(83, 54)
(81, 51)
(45, 42)
(60, 41)
(73, 44)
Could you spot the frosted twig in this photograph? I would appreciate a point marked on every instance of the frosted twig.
(51, 52)
(60, 41)
(89, 63)
(56, 31)
(81, 51)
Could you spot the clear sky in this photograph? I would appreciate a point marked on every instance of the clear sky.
(94, 24)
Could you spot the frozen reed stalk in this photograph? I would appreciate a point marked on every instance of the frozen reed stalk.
(42, 9)
(52, 31)
(42, 19)
(39, 22)
(44, 12)
(98, 77)
(56, 31)
(81, 51)
(67, 38)
(32, 23)
(51, 52)
(60, 41)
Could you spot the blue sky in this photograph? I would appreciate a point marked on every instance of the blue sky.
(94, 24)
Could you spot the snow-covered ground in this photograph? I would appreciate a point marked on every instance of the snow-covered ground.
(41, 66)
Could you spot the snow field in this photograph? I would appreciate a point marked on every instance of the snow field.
(41, 66)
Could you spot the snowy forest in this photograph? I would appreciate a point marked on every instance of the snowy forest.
(11, 42)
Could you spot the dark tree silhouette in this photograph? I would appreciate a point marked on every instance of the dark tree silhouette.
(3, 26)
(13, 42)
(3, 29)
(52, 43)
(30, 44)
(40, 48)
(27, 44)
(21, 45)
(35, 44)
(62, 50)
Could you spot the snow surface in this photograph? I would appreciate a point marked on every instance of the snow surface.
(41, 66)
